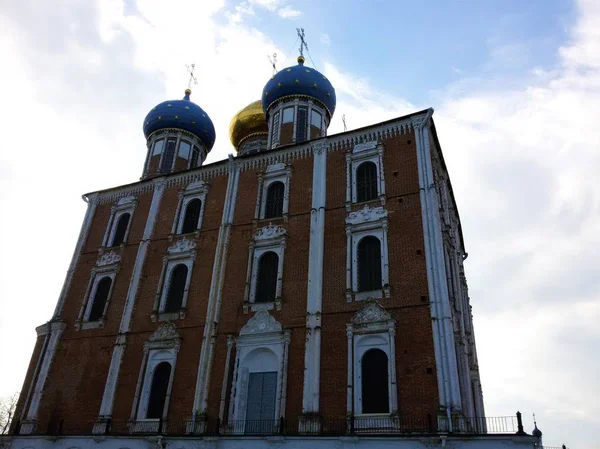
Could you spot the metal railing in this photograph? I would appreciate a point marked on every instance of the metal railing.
(300, 426)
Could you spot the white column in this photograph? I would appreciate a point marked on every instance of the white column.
(230, 343)
(312, 356)
(349, 388)
(286, 350)
(394, 391)
(83, 233)
(110, 387)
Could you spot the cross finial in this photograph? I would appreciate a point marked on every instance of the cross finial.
(534, 419)
(303, 45)
(273, 61)
(344, 121)
(190, 69)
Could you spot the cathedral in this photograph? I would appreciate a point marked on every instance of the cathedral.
(307, 292)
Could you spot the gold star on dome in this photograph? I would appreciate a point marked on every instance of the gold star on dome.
(193, 122)
(187, 107)
(266, 93)
(328, 94)
(203, 115)
(307, 71)
(314, 84)
(297, 81)
(159, 117)
(289, 70)
(176, 117)
(169, 105)
(324, 78)
(279, 84)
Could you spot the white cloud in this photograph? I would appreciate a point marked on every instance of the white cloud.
(287, 12)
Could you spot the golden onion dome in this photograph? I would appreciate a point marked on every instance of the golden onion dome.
(248, 122)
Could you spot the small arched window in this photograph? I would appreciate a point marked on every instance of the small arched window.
(176, 290)
(192, 216)
(374, 382)
(158, 390)
(369, 264)
(366, 182)
(266, 286)
(100, 298)
(121, 229)
(274, 200)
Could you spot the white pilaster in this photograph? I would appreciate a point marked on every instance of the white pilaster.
(108, 398)
(312, 356)
(443, 336)
(349, 388)
(230, 343)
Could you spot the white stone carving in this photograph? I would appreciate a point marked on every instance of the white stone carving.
(275, 167)
(372, 312)
(366, 214)
(181, 246)
(126, 200)
(108, 259)
(196, 185)
(261, 323)
(364, 146)
(167, 331)
(269, 232)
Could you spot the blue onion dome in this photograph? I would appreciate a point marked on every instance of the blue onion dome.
(537, 432)
(181, 114)
(299, 80)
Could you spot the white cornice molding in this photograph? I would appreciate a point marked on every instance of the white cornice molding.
(371, 312)
(108, 259)
(366, 214)
(182, 246)
(261, 323)
(269, 232)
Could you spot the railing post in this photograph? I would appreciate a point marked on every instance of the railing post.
(17, 427)
(218, 430)
(281, 425)
(59, 430)
(352, 424)
(520, 430)
(160, 425)
(429, 423)
(107, 426)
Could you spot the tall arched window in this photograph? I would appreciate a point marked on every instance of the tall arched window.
(274, 200)
(192, 216)
(366, 182)
(369, 264)
(121, 229)
(176, 288)
(158, 390)
(100, 298)
(374, 383)
(266, 286)
(169, 156)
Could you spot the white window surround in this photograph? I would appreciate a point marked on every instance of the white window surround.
(363, 152)
(275, 128)
(107, 266)
(180, 137)
(183, 252)
(195, 190)
(371, 328)
(273, 173)
(262, 346)
(359, 224)
(125, 205)
(268, 239)
(162, 346)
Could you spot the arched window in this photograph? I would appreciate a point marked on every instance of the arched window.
(169, 156)
(158, 390)
(121, 229)
(366, 182)
(274, 200)
(374, 383)
(192, 216)
(369, 264)
(266, 286)
(176, 288)
(100, 298)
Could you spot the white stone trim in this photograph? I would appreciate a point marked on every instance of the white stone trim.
(268, 239)
(360, 224)
(365, 152)
(230, 345)
(86, 307)
(274, 139)
(274, 172)
(125, 205)
(194, 190)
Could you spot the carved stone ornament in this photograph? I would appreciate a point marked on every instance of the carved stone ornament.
(269, 232)
(275, 167)
(195, 185)
(364, 146)
(108, 259)
(261, 323)
(366, 214)
(372, 312)
(167, 331)
(181, 246)
(126, 200)
(319, 147)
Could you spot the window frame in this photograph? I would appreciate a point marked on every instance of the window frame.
(278, 172)
(182, 252)
(268, 239)
(125, 205)
(363, 223)
(194, 190)
(365, 152)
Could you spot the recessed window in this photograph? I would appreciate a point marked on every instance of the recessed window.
(316, 121)
(374, 384)
(274, 200)
(158, 390)
(262, 397)
(302, 125)
(158, 147)
(184, 149)
(195, 155)
(176, 289)
(366, 182)
(266, 286)
(121, 229)
(100, 299)
(192, 216)
(168, 156)
(369, 264)
(288, 115)
(286, 135)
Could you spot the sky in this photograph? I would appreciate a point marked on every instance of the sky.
(516, 90)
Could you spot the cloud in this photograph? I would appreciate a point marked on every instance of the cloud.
(288, 12)
(276, 6)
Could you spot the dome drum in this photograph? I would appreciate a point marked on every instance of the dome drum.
(173, 150)
(248, 129)
(295, 120)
